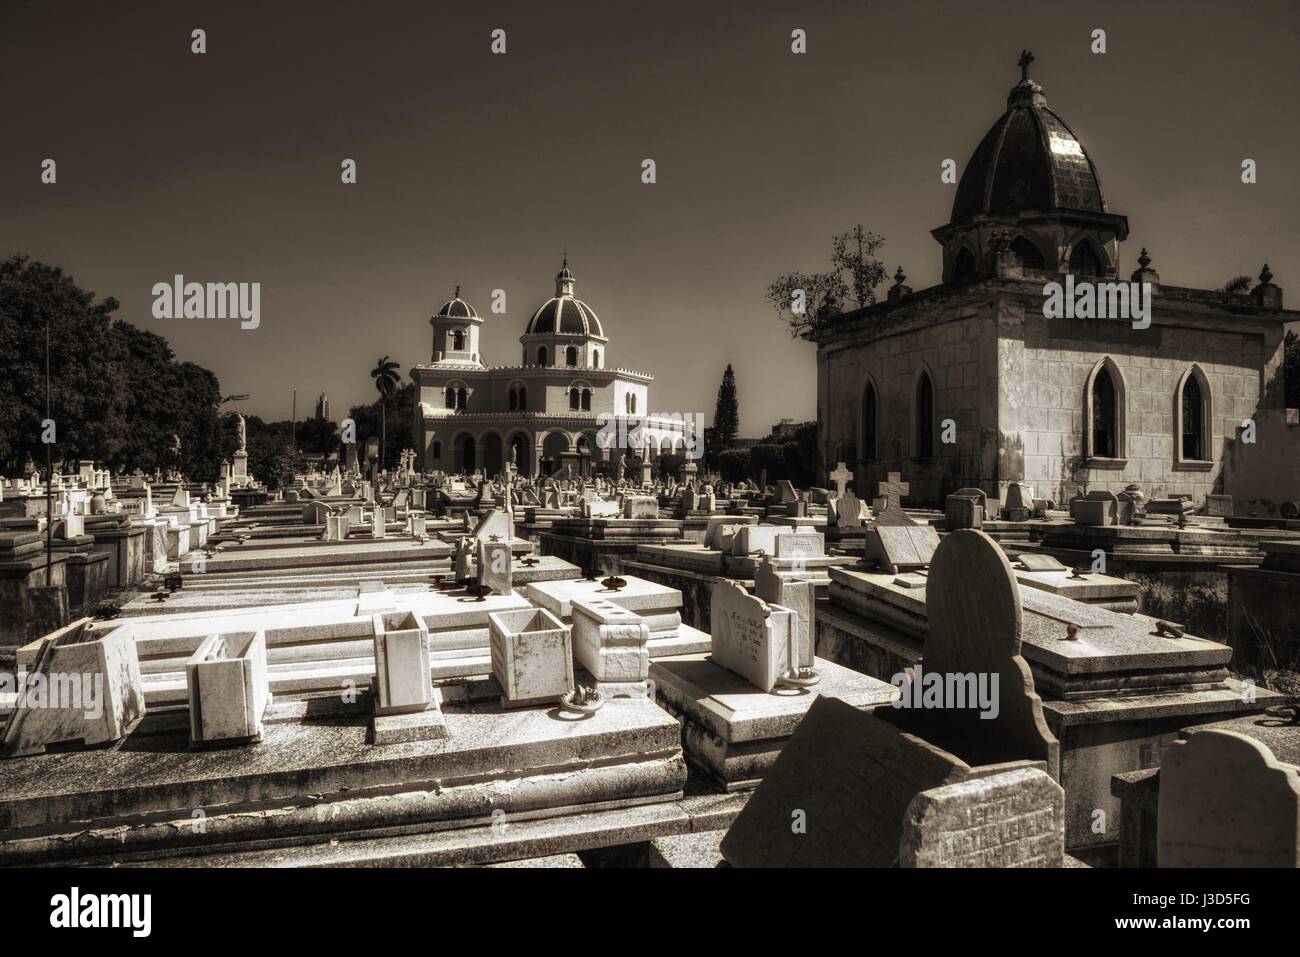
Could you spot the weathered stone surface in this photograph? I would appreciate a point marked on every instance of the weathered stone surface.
(750, 637)
(1225, 801)
(1012, 819)
(532, 656)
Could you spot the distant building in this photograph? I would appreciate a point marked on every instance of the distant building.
(549, 411)
(974, 383)
(323, 408)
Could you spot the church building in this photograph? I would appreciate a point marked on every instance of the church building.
(979, 382)
(562, 406)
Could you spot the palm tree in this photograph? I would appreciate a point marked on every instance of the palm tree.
(1237, 285)
(385, 375)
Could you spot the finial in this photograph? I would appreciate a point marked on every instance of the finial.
(457, 295)
(1143, 259)
(899, 277)
(1026, 58)
(1265, 277)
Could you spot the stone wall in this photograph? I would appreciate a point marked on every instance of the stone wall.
(1045, 380)
(956, 346)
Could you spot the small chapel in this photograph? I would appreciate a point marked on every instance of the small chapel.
(562, 407)
(972, 382)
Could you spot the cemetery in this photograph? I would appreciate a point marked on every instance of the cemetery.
(1021, 592)
(622, 687)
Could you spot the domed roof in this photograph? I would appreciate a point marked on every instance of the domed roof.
(456, 308)
(564, 314)
(1030, 161)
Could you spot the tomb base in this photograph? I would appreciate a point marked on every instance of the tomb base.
(731, 730)
(426, 725)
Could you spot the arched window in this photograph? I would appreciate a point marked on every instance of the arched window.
(514, 400)
(1194, 415)
(541, 355)
(1030, 256)
(586, 400)
(924, 417)
(461, 397)
(571, 356)
(451, 397)
(457, 340)
(869, 422)
(1193, 446)
(1084, 260)
(575, 398)
(523, 398)
(964, 267)
(1105, 428)
(595, 358)
(437, 450)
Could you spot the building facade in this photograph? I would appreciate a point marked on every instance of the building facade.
(561, 407)
(977, 382)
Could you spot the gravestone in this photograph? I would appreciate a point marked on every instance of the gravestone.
(612, 643)
(532, 656)
(1226, 801)
(1096, 508)
(494, 570)
(228, 688)
(756, 538)
(1041, 563)
(1219, 505)
(640, 507)
(973, 604)
(786, 493)
(848, 779)
(1018, 504)
(841, 477)
(889, 493)
(402, 682)
(851, 511)
(965, 508)
(793, 592)
(800, 545)
(1012, 819)
(749, 636)
(897, 548)
(495, 521)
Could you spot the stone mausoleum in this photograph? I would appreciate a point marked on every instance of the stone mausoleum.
(969, 383)
(560, 407)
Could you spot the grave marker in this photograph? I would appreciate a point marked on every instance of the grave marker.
(750, 637)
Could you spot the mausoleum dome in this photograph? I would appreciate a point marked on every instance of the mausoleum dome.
(564, 314)
(1030, 161)
(456, 308)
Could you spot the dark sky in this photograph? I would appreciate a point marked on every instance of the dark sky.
(482, 169)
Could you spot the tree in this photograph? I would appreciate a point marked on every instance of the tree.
(1238, 285)
(733, 464)
(117, 393)
(726, 413)
(369, 420)
(386, 378)
(805, 301)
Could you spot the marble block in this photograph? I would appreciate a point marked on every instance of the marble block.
(532, 656)
(612, 643)
(228, 691)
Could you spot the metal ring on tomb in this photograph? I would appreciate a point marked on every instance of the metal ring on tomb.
(798, 679)
(593, 703)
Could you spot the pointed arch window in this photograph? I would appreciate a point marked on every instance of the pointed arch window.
(1193, 415)
(924, 416)
(1104, 427)
(1104, 438)
(1030, 256)
(964, 267)
(869, 422)
(1084, 260)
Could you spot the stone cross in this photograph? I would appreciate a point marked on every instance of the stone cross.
(893, 489)
(841, 477)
